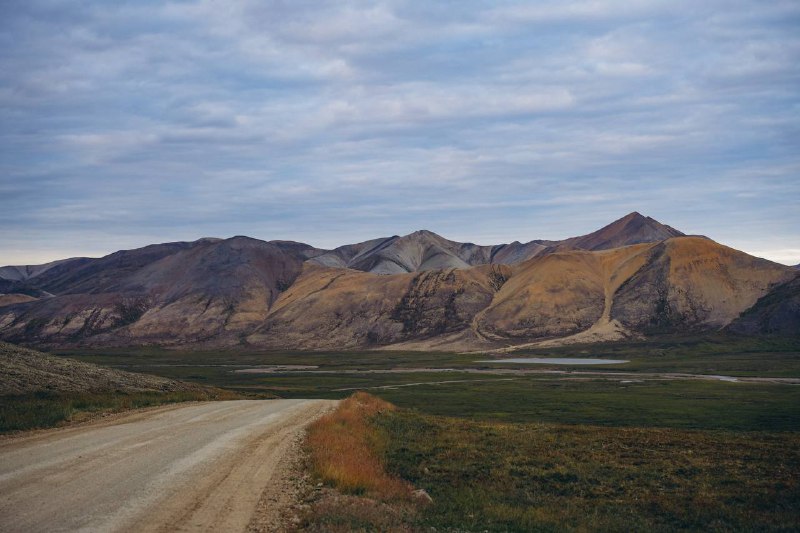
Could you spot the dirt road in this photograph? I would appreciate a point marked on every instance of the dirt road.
(201, 467)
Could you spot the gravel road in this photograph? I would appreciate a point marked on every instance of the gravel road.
(198, 467)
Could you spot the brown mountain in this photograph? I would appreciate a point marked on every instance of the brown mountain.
(633, 228)
(334, 308)
(280, 294)
(167, 293)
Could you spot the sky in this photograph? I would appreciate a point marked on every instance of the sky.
(129, 123)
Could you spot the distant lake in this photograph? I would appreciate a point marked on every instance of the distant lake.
(556, 361)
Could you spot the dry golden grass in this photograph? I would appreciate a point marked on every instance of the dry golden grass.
(347, 451)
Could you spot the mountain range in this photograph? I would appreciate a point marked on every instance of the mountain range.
(635, 277)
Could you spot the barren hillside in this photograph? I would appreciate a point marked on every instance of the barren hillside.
(26, 371)
(630, 278)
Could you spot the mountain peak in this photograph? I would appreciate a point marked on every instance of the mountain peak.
(423, 233)
(634, 216)
(633, 228)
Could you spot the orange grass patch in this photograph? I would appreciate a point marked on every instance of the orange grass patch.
(347, 450)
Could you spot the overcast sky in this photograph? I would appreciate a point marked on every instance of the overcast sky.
(129, 123)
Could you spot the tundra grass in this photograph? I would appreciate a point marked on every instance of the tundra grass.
(716, 354)
(669, 404)
(493, 476)
(572, 399)
(727, 355)
(48, 409)
(326, 360)
(656, 403)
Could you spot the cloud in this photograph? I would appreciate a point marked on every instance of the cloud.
(330, 122)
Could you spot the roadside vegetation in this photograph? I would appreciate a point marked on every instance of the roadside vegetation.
(347, 451)
(48, 409)
(39, 390)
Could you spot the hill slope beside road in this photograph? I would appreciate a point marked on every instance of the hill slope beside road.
(24, 371)
(202, 467)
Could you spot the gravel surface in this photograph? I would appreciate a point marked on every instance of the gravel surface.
(204, 467)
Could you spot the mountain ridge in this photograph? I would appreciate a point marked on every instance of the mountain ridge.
(417, 290)
(420, 250)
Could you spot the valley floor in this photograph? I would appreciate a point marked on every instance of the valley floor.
(659, 443)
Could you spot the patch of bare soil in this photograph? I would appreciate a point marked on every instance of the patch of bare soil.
(330, 511)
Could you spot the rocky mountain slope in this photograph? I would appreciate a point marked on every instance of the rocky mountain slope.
(633, 277)
(775, 313)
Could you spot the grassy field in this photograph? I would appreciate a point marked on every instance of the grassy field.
(708, 355)
(489, 475)
(572, 399)
(671, 404)
(726, 355)
(551, 477)
(153, 357)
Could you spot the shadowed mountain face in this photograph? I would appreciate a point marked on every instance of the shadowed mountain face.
(26, 272)
(777, 313)
(167, 293)
(634, 277)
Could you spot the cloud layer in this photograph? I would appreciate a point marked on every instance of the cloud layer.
(127, 123)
